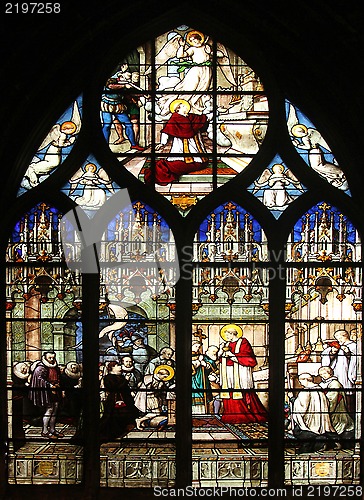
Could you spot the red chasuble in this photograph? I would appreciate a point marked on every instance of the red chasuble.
(246, 356)
(185, 128)
(249, 408)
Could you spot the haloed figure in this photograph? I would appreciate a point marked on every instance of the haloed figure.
(240, 402)
(151, 399)
(187, 150)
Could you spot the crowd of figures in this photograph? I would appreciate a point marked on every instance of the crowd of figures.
(137, 390)
(43, 393)
(137, 387)
(323, 412)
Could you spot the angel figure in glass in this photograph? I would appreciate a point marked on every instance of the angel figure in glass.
(310, 139)
(61, 135)
(278, 180)
(192, 55)
(94, 183)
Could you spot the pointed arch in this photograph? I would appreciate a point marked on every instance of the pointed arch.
(323, 331)
(44, 332)
(230, 340)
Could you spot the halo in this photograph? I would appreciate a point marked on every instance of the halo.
(278, 167)
(191, 33)
(69, 124)
(90, 166)
(165, 367)
(227, 327)
(177, 102)
(299, 130)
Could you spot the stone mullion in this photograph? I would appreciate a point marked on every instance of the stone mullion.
(277, 288)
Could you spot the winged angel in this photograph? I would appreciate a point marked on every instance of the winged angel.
(60, 136)
(311, 140)
(276, 195)
(194, 54)
(94, 196)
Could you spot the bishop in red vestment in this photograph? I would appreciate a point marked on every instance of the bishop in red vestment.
(241, 404)
(187, 147)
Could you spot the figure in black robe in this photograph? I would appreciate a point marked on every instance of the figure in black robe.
(119, 410)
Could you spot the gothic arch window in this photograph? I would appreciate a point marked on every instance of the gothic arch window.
(174, 205)
(230, 304)
(322, 340)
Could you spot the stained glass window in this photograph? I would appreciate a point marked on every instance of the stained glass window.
(230, 368)
(55, 147)
(323, 349)
(277, 187)
(183, 236)
(313, 148)
(90, 186)
(137, 345)
(184, 114)
(44, 358)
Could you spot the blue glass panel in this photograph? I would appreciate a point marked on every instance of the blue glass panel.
(324, 234)
(277, 187)
(313, 148)
(230, 233)
(90, 186)
(55, 147)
